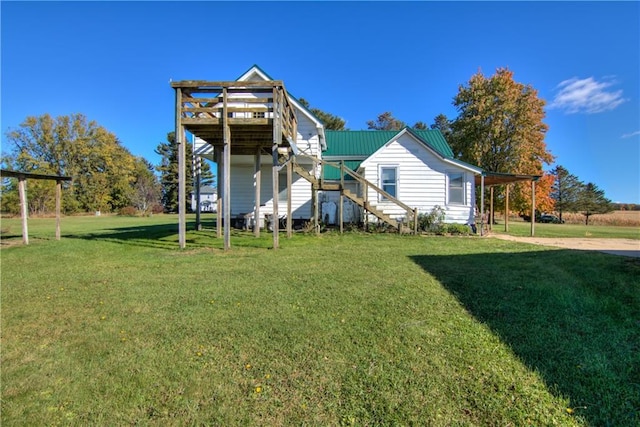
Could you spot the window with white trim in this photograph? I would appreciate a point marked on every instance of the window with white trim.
(456, 188)
(389, 180)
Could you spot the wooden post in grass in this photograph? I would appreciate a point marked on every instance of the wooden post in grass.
(58, 205)
(226, 155)
(277, 135)
(198, 166)
(481, 205)
(289, 179)
(340, 207)
(24, 208)
(257, 177)
(179, 135)
(533, 207)
(219, 191)
(491, 211)
(506, 208)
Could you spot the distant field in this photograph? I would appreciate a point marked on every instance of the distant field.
(617, 218)
(114, 325)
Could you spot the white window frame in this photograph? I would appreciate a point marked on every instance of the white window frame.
(381, 183)
(463, 188)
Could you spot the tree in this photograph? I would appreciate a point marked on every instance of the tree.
(420, 125)
(168, 169)
(591, 201)
(386, 121)
(443, 124)
(100, 167)
(329, 120)
(565, 190)
(499, 128)
(146, 188)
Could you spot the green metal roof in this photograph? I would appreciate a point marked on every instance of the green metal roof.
(355, 146)
(342, 143)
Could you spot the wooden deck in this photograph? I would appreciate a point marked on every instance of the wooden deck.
(235, 117)
(258, 114)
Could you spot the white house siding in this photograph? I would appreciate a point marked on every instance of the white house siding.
(243, 190)
(421, 180)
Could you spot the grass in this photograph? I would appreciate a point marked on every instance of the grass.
(115, 325)
(519, 228)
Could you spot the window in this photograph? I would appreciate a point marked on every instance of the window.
(258, 114)
(389, 181)
(456, 188)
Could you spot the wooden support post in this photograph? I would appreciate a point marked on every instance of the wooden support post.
(415, 221)
(58, 206)
(198, 166)
(277, 136)
(226, 203)
(506, 208)
(24, 208)
(219, 190)
(340, 207)
(289, 183)
(179, 135)
(491, 211)
(366, 206)
(533, 207)
(316, 213)
(257, 178)
(482, 205)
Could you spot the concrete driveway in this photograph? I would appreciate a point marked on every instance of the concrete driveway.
(624, 247)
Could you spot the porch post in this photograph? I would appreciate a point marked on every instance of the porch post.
(289, 183)
(533, 207)
(257, 177)
(506, 209)
(277, 135)
(24, 208)
(482, 205)
(179, 135)
(226, 204)
(58, 205)
(491, 211)
(219, 189)
(198, 166)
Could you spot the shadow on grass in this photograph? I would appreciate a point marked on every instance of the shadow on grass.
(573, 317)
(165, 236)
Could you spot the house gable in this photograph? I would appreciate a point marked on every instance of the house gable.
(255, 73)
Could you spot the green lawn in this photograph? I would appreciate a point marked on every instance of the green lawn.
(519, 228)
(115, 325)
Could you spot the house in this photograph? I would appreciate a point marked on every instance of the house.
(414, 166)
(359, 176)
(208, 197)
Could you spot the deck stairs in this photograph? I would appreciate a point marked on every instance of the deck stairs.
(408, 226)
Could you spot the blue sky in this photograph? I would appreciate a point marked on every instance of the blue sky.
(112, 61)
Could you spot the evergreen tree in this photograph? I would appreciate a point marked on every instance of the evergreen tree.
(565, 190)
(591, 201)
(386, 121)
(329, 120)
(168, 169)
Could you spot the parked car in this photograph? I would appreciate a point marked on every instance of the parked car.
(548, 218)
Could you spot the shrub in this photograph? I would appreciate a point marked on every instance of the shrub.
(128, 211)
(432, 222)
(461, 229)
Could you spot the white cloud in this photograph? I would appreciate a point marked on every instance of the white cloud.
(629, 135)
(586, 96)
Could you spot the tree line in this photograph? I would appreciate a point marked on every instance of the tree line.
(499, 127)
(106, 177)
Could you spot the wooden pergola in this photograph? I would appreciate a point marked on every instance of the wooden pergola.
(492, 179)
(24, 206)
(235, 117)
